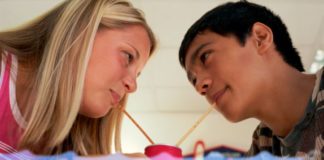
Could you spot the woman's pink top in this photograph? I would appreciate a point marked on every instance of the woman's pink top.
(12, 122)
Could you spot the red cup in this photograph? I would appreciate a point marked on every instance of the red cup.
(156, 149)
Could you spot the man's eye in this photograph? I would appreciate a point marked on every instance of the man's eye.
(194, 81)
(204, 56)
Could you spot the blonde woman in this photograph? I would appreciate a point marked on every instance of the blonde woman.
(65, 76)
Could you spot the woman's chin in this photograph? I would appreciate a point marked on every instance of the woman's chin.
(96, 112)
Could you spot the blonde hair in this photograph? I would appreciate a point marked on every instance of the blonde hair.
(58, 47)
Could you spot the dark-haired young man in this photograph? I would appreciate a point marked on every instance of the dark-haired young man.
(240, 56)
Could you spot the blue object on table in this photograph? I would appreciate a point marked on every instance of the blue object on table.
(26, 155)
(65, 156)
(260, 156)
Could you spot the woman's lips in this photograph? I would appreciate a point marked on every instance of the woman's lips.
(115, 97)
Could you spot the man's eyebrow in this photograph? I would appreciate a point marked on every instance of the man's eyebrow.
(196, 52)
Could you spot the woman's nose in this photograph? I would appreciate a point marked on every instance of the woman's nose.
(130, 84)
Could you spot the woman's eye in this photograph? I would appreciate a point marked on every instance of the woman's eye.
(204, 56)
(129, 57)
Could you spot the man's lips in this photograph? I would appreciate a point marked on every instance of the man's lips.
(115, 96)
(218, 94)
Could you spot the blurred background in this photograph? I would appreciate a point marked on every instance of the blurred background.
(165, 104)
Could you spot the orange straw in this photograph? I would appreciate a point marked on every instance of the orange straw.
(194, 126)
(139, 127)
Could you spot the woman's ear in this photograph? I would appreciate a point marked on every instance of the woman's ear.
(263, 37)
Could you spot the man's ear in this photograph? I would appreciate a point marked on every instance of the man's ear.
(262, 36)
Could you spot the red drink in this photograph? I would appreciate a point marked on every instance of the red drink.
(156, 149)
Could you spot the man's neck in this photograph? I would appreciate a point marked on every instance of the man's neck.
(286, 108)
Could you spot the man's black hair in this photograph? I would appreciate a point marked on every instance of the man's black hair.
(237, 18)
